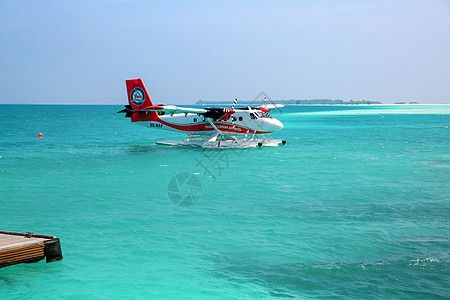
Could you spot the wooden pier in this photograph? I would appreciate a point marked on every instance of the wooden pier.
(16, 248)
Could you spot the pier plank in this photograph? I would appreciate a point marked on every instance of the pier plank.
(13, 241)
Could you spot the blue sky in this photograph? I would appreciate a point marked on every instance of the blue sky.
(82, 51)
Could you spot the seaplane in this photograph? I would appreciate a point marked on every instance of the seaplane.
(216, 127)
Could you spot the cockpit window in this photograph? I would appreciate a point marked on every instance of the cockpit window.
(253, 116)
(263, 115)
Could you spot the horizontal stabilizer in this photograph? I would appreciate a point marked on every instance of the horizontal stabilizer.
(162, 108)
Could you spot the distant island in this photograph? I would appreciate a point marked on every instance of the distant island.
(406, 103)
(295, 102)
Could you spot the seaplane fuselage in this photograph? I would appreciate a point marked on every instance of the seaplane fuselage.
(241, 123)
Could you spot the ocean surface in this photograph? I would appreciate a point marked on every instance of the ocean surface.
(355, 205)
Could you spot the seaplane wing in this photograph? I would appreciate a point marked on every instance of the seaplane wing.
(271, 106)
(222, 113)
(169, 108)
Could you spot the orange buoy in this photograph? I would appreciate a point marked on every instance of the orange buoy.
(40, 135)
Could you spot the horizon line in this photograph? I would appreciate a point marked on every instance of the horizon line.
(223, 103)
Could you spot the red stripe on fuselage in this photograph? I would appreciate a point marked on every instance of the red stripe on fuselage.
(207, 127)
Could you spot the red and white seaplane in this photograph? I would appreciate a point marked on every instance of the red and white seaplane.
(206, 127)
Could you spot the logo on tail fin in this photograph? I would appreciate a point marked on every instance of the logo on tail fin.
(137, 96)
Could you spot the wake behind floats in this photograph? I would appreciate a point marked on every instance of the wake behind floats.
(208, 127)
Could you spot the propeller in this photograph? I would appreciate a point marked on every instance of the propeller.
(233, 119)
(234, 103)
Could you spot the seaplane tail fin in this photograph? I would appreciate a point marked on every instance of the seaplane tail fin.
(139, 98)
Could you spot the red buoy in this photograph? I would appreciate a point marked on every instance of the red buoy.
(40, 135)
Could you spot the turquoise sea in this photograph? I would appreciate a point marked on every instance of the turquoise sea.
(355, 205)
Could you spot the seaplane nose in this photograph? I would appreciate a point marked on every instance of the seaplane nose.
(278, 125)
(275, 125)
